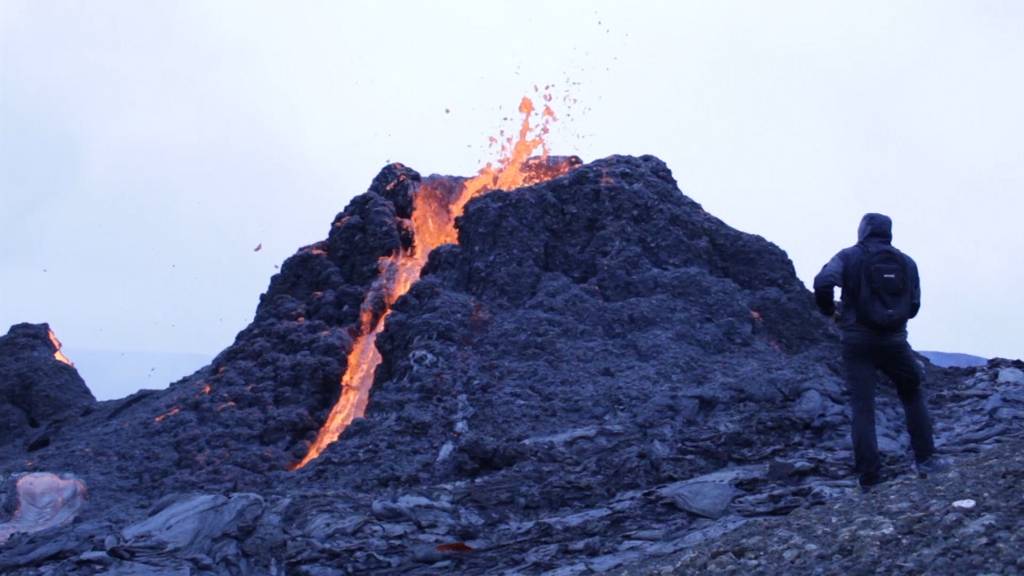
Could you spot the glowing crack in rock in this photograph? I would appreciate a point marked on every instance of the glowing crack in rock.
(433, 222)
(167, 414)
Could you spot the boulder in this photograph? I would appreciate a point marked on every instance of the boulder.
(707, 499)
(194, 525)
(1010, 375)
(44, 501)
(38, 385)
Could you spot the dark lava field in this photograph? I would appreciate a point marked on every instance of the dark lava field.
(598, 377)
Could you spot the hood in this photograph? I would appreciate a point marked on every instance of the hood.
(876, 227)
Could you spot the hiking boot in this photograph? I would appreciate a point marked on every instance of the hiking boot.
(933, 467)
(868, 481)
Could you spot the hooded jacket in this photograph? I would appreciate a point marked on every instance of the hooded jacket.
(843, 270)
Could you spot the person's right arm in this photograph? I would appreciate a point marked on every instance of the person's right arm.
(825, 282)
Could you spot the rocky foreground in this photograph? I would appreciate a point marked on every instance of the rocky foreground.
(600, 376)
(969, 521)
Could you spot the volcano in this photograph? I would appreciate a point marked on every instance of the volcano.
(553, 366)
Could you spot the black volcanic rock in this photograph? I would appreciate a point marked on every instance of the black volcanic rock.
(36, 389)
(602, 298)
(968, 521)
(599, 374)
(255, 408)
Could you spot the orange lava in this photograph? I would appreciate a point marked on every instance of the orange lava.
(56, 350)
(433, 221)
(164, 416)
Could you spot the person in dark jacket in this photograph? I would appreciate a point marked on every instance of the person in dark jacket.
(867, 348)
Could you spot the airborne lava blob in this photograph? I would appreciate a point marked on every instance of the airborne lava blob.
(433, 223)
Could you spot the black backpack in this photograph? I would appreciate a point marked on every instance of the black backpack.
(884, 301)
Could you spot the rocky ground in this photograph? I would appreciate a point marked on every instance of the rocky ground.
(969, 521)
(599, 377)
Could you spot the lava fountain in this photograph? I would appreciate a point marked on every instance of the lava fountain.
(433, 224)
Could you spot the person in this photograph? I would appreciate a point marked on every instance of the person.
(881, 290)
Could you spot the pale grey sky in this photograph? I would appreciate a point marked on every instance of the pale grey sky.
(147, 147)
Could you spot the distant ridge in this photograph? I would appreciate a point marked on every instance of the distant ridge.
(953, 359)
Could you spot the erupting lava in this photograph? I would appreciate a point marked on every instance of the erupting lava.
(433, 222)
(56, 349)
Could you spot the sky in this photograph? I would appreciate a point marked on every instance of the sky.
(147, 148)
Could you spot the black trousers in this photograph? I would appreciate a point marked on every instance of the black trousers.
(896, 360)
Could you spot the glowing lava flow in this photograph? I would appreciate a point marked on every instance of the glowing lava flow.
(56, 350)
(433, 221)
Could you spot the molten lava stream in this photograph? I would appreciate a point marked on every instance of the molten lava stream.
(433, 223)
